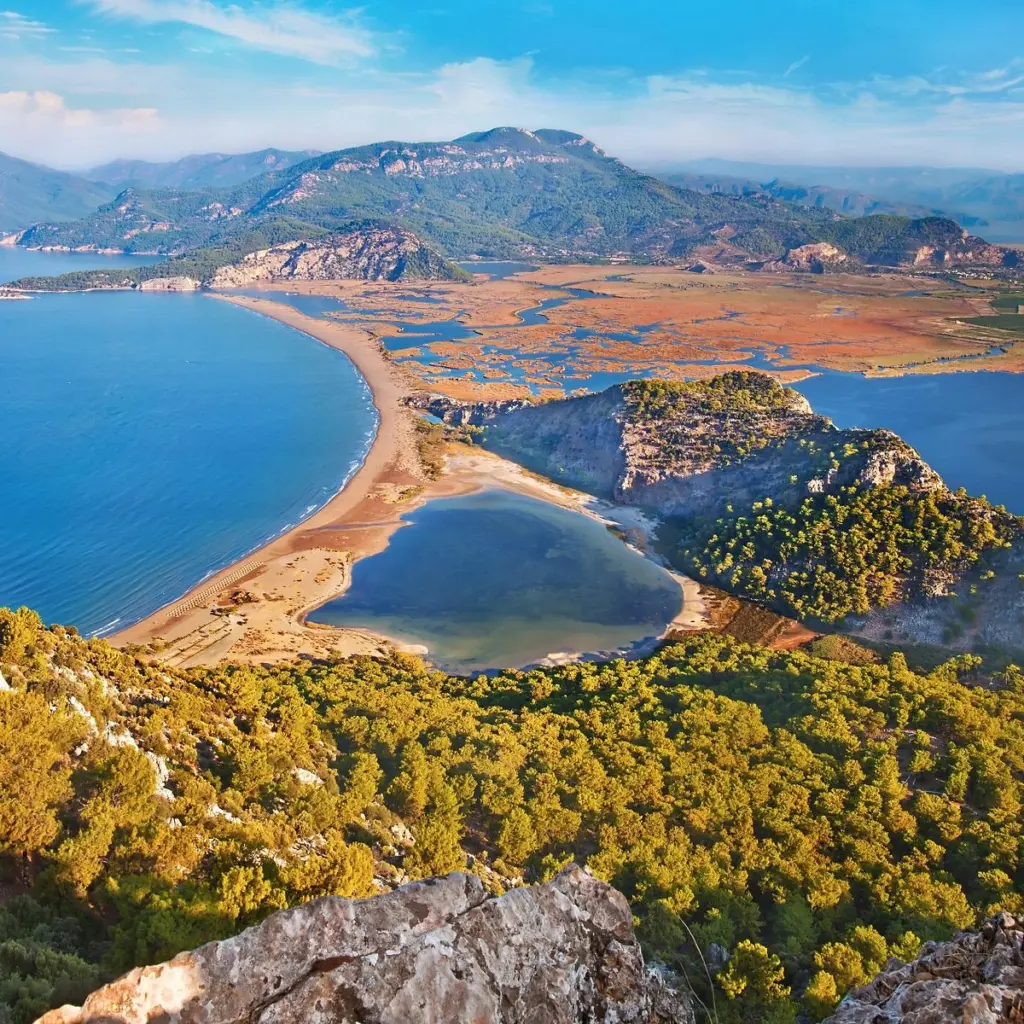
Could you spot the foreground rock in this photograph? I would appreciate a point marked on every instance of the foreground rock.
(439, 951)
(978, 978)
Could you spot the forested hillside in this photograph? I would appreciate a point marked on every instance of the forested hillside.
(500, 192)
(796, 818)
(31, 193)
(218, 170)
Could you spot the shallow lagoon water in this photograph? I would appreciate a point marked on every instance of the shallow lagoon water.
(498, 579)
(150, 439)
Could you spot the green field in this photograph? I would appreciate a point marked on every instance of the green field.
(1003, 322)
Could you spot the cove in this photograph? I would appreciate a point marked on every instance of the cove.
(968, 426)
(149, 440)
(17, 262)
(496, 579)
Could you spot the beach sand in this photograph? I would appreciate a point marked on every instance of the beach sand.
(255, 610)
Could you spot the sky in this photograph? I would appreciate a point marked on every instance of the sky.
(858, 82)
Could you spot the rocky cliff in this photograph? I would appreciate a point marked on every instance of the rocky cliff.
(977, 978)
(440, 951)
(688, 449)
(381, 253)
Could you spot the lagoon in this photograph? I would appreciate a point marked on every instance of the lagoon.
(498, 579)
(149, 440)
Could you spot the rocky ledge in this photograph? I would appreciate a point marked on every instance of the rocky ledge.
(442, 951)
(977, 978)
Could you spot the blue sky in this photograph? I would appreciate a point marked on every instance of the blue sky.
(656, 83)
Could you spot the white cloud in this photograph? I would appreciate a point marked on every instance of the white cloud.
(18, 27)
(281, 29)
(47, 129)
(796, 65)
(656, 122)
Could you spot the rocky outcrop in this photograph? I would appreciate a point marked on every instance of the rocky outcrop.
(438, 951)
(814, 258)
(738, 438)
(367, 254)
(978, 978)
(170, 284)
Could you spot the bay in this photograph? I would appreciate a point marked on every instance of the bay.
(148, 440)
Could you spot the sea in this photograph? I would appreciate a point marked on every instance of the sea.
(149, 440)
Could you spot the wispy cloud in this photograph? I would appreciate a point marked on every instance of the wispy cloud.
(655, 122)
(796, 65)
(283, 29)
(16, 26)
(36, 118)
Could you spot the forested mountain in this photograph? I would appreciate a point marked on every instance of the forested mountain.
(508, 192)
(217, 170)
(30, 193)
(502, 192)
(990, 201)
(810, 814)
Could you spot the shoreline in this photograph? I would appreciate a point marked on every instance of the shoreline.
(256, 608)
(386, 462)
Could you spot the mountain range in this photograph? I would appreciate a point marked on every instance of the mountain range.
(208, 170)
(30, 193)
(507, 192)
(989, 201)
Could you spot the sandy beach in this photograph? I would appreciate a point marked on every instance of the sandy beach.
(303, 567)
(255, 610)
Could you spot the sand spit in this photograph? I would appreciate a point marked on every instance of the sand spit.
(255, 610)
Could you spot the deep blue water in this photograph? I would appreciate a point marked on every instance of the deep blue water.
(497, 579)
(17, 262)
(151, 439)
(968, 426)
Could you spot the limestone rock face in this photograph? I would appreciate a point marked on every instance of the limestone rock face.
(438, 951)
(977, 978)
(370, 254)
(170, 284)
(815, 258)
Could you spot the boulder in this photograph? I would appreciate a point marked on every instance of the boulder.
(977, 978)
(437, 951)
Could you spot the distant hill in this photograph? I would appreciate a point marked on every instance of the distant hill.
(208, 170)
(987, 200)
(502, 192)
(30, 193)
(506, 192)
(850, 202)
(366, 251)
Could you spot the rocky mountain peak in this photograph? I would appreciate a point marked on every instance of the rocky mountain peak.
(441, 950)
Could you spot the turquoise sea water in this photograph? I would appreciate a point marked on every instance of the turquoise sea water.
(148, 440)
(16, 262)
(497, 579)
